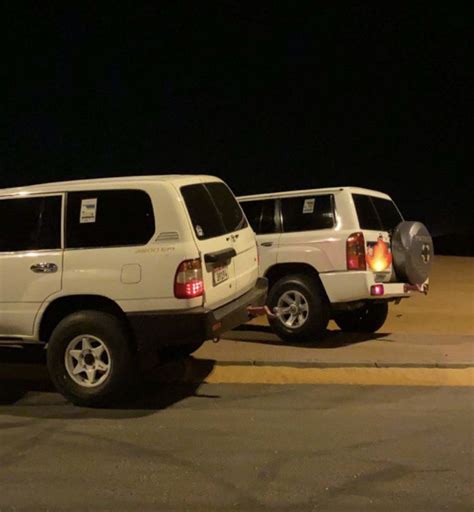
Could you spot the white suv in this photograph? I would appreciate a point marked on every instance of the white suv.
(341, 253)
(105, 271)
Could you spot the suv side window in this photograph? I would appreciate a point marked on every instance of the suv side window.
(253, 212)
(267, 220)
(109, 218)
(261, 215)
(308, 213)
(30, 224)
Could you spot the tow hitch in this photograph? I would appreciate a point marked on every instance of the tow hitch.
(422, 288)
(260, 311)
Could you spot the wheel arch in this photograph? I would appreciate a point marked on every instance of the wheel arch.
(64, 306)
(279, 270)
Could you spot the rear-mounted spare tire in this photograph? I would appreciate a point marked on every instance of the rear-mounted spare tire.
(412, 252)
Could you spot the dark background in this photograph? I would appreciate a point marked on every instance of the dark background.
(268, 99)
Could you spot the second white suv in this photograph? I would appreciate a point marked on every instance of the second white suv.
(341, 253)
(104, 271)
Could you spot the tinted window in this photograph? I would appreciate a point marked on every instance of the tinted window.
(267, 221)
(227, 206)
(108, 218)
(253, 211)
(261, 215)
(389, 215)
(376, 213)
(202, 211)
(368, 218)
(213, 209)
(307, 213)
(30, 224)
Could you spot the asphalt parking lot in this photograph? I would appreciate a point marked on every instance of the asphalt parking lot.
(241, 447)
(235, 429)
(379, 421)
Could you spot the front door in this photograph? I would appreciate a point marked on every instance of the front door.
(262, 215)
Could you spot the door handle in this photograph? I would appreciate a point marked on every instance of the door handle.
(44, 268)
(266, 244)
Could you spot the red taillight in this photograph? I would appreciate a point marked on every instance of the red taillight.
(377, 290)
(355, 252)
(188, 282)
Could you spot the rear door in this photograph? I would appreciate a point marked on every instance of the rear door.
(31, 259)
(240, 234)
(105, 230)
(378, 217)
(262, 217)
(215, 246)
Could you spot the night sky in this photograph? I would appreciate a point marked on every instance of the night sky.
(268, 99)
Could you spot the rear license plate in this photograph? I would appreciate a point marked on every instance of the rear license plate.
(219, 275)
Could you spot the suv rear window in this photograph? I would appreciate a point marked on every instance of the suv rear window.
(376, 213)
(213, 209)
(308, 213)
(30, 224)
(109, 218)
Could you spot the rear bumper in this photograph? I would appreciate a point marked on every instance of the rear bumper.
(352, 286)
(165, 328)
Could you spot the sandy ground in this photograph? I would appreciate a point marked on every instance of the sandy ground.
(447, 309)
(449, 306)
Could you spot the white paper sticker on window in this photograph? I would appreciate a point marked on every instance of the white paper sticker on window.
(308, 206)
(88, 211)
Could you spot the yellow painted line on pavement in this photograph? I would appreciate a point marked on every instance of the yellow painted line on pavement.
(356, 376)
(190, 371)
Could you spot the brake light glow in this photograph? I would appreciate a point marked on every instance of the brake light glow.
(355, 252)
(188, 282)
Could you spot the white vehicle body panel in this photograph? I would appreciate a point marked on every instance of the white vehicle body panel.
(325, 250)
(246, 261)
(137, 278)
(268, 249)
(22, 292)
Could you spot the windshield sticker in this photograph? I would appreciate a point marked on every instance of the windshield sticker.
(199, 230)
(308, 206)
(88, 211)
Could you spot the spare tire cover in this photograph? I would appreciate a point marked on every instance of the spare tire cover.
(412, 252)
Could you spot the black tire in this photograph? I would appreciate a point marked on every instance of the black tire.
(180, 351)
(369, 318)
(120, 359)
(314, 326)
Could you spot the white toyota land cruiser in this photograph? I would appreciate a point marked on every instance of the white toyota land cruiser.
(341, 253)
(104, 271)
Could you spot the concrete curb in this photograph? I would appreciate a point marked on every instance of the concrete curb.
(323, 364)
(175, 370)
(194, 372)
